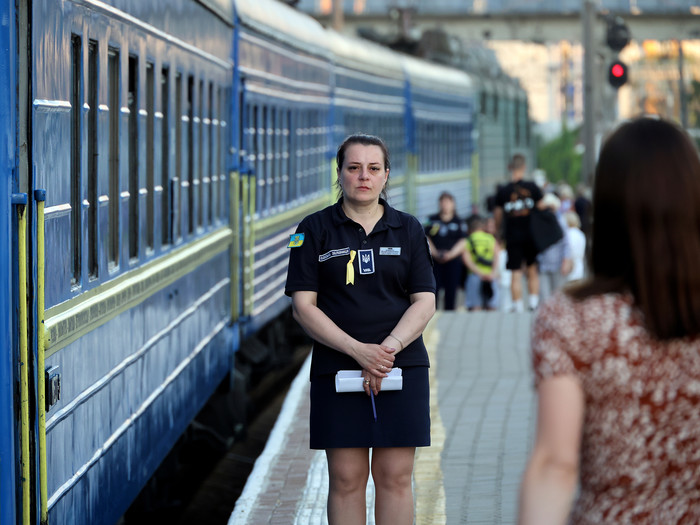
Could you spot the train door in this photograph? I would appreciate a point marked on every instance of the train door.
(26, 371)
(248, 159)
(8, 258)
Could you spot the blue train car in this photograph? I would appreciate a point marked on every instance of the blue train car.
(127, 124)
(370, 96)
(283, 79)
(9, 453)
(442, 115)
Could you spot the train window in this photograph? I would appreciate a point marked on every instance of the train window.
(286, 148)
(114, 111)
(269, 159)
(314, 152)
(190, 153)
(177, 176)
(261, 116)
(277, 148)
(150, 154)
(495, 106)
(76, 152)
(526, 123)
(200, 156)
(166, 206)
(133, 106)
(293, 156)
(250, 144)
(483, 103)
(304, 122)
(210, 168)
(295, 152)
(92, 175)
(220, 154)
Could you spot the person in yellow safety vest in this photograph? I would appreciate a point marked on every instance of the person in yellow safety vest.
(481, 258)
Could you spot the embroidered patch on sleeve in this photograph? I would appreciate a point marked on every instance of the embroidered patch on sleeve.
(296, 240)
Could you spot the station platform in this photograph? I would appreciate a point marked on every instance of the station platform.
(483, 415)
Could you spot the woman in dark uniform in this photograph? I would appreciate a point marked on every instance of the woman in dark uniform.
(361, 281)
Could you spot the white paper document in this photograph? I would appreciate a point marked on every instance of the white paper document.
(352, 381)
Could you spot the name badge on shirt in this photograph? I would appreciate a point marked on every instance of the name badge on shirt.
(334, 253)
(366, 261)
(390, 250)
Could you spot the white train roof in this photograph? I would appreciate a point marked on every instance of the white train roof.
(436, 77)
(364, 55)
(283, 23)
(223, 8)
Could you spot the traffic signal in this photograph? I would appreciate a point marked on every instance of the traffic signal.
(618, 35)
(617, 74)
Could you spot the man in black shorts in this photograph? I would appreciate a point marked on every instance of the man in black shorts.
(514, 203)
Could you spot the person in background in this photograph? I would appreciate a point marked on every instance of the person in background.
(566, 196)
(514, 204)
(481, 259)
(577, 246)
(554, 262)
(362, 287)
(490, 226)
(505, 303)
(446, 233)
(617, 357)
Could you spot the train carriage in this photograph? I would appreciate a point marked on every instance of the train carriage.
(9, 454)
(442, 105)
(284, 99)
(369, 95)
(127, 122)
(503, 125)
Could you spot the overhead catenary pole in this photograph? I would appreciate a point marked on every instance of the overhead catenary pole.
(338, 16)
(588, 13)
(681, 87)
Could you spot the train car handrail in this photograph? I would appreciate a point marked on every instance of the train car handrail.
(40, 198)
(20, 200)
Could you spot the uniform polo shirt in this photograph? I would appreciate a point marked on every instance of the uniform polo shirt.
(390, 263)
(445, 234)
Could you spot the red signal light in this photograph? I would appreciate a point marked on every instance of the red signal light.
(617, 74)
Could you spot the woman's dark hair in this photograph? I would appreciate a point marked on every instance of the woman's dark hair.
(365, 140)
(646, 225)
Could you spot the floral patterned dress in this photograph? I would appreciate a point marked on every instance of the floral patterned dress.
(640, 451)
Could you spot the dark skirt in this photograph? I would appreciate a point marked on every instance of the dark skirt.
(346, 420)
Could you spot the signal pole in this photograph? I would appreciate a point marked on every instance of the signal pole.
(681, 87)
(338, 16)
(588, 14)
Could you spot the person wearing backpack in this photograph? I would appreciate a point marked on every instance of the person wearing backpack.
(481, 258)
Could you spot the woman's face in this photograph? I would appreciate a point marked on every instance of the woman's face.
(447, 206)
(362, 175)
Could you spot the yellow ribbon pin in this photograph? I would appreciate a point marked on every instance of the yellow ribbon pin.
(350, 271)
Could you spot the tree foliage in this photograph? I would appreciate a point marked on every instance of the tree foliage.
(559, 158)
